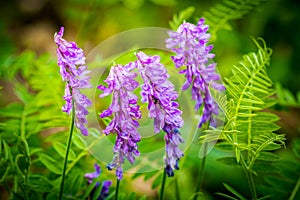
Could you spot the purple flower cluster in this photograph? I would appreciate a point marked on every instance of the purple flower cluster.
(121, 84)
(105, 184)
(189, 43)
(71, 61)
(160, 95)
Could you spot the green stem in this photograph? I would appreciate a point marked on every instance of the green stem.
(67, 152)
(295, 190)
(249, 178)
(23, 123)
(83, 153)
(252, 185)
(16, 184)
(201, 173)
(117, 189)
(162, 189)
(177, 190)
(71, 165)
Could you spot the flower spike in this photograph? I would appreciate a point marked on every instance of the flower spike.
(189, 43)
(121, 84)
(160, 95)
(73, 70)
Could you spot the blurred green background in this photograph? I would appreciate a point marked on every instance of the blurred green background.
(30, 25)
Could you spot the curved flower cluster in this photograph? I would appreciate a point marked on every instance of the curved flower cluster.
(160, 95)
(71, 61)
(105, 184)
(121, 83)
(189, 43)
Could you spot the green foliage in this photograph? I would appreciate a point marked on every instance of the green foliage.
(32, 121)
(286, 97)
(33, 128)
(284, 183)
(249, 126)
(180, 17)
(218, 17)
(234, 192)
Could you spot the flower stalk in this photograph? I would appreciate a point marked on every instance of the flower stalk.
(162, 189)
(117, 189)
(67, 154)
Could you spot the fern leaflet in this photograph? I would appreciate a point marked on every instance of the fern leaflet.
(218, 16)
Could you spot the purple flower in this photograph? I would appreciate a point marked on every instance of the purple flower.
(121, 84)
(105, 184)
(160, 95)
(189, 43)
(71, 61)
(93, 175)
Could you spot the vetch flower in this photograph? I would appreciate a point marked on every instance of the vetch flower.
(105, 184)
(160, 95)
(189, 43)
(121, 84)
(93, 175)
(73, 70)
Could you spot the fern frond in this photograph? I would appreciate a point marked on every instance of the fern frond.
(40, 100)
(249, 93)
(219, 16)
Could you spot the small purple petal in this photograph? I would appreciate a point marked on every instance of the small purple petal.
(160, 94)
(189, 43)
(95, 174)
(105, 184)
(71, 61)
(121, 83)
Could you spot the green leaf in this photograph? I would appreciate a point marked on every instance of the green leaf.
(34, 150)
(157, 181)
(149, 175)
(106, 121)
(52, 196)
(279, 182)
(89, 189)
(268, 156)
(79, 141)
(296, 147)
(218, 17)
(226, 196)
(61, 150)
(272, 147)
(233, 191)
(97, 192)
(227, 161)
(265, 117)
(265, 167)
(265, 197)
(22, 93)
(131, 195)
(75, 184)
(50, 163)
(40, 183)
(12, 110)
(179, 18)
(94, 132)
(144, 197)
(22, 164)
(7, 153)
(23, 147)
(6, 173)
